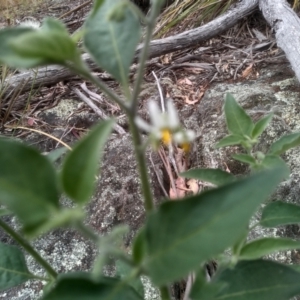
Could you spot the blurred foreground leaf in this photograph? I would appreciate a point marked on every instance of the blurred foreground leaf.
(202, 226)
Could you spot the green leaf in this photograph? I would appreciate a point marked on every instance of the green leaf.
(50, 47)
(245, 158)
(28, 183)
(50, 24)
(258, 248)
(214, 176)
(63, 218)
(192, 226)
(238, 122)
(29, 48)
(48, 287)
(139, 246)
(111, 245)
(273, 161)
(13, 269)
(261, 125)
(5, 212)
(236, 248)
(79, 286)
(97, 5)
(110, 40)
(295, 267)
(7, 55)
(230, 140)
(285, 143)
(259, 279)
(54, 155)
(123, 270)
(280, 213)
(82, 164)
(204, 290)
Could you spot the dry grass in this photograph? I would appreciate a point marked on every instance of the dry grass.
(12, 12)
(296, 4)
(12, 9)
(186, 14)
(6, 4)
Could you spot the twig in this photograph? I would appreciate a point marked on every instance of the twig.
(97, 110)
(158, 177)
(75, 9)
(162, 101)
(166, 163)
(13, 99)
(205, 66)
(84, 71)
(40, 132)
(96, 97)
(188, 287)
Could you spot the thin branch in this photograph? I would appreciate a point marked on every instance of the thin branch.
(97, 110)
(85, 73)
(162, 100)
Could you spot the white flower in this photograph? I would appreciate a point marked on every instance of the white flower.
(165, 126)
(31, 24)
(184, 138)
(172, 115)
(168, 119)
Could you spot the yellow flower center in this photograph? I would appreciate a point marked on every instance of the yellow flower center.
(186, 147)
(166, 136)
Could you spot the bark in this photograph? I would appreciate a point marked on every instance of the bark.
(44, 76)
(286, 24)
(193, 37)
(50, 75)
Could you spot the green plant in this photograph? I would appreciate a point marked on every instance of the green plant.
(178, 237)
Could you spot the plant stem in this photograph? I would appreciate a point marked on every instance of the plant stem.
(164, 293)
(26, 245)
(85, 73)
(87, 232)
(142, 167)
(143, 57)
(131, 112)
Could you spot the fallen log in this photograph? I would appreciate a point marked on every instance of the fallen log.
(51, 75)
(286, 24)
(198, 35)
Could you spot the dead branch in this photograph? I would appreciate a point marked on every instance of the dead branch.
(201, 34)
(97, 110)
(286, 24)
